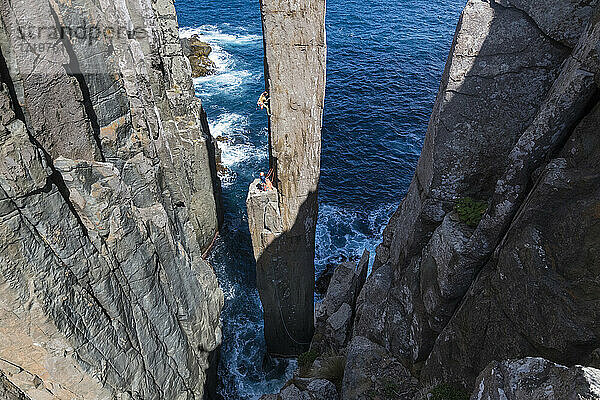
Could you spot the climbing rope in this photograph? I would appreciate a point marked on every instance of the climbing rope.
(281, 312)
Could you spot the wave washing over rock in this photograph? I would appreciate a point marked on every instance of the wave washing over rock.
(109, 199)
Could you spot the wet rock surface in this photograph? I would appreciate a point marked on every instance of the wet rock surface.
(198, 53)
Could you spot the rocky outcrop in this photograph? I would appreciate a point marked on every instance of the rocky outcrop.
(295, 53)
(305, 389)
(197, 52)
(542, 264)
(373, 373)
(321, 369)
(536, 378)
(108, 200)
(334, 316)
(447, 297)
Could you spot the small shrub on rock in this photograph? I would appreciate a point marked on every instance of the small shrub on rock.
(306, 360)
(331, 368)
(448, 392)
(470, 211)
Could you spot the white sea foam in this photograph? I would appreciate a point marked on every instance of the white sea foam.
(227, 123)
(224, 82)
(229, 128)
(236, 149)
(217, 39)
(228, 78)
(236, 153)
(344, 233)
(212, 34)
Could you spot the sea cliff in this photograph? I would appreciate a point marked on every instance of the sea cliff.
(486, 281)
(109, 199)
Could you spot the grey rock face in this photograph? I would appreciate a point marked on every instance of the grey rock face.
(335, 314)
(465, 151)
(544, 263)
(107, 202)
(295, 54)
(293, 393)
(515, 83)
(562, 21)
(263, 217)
(536, 378)
(372, 372)
(322, 389)
(305, 389)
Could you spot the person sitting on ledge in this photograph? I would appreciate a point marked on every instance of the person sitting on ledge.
(263, 102)
(265, 183)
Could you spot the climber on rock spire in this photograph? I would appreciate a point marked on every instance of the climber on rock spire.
(263, 102)
(265, 183)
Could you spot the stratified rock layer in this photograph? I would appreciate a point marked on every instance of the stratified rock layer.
(108, 199)
(295, 53)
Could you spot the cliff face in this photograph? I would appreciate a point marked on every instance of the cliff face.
(108, 195)
(460, 297)
(295, 54)
(448, 298)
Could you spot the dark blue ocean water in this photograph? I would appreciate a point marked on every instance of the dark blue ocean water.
(385, 61)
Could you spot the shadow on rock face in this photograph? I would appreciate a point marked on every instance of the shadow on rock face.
(284, 270)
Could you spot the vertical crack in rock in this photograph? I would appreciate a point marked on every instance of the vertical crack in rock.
(55, 177)
(6, 79)
(73, 69)
(283, 221)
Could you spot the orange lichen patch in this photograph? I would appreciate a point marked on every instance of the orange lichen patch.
(109, 132)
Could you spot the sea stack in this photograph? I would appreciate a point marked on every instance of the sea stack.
(283, 221)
